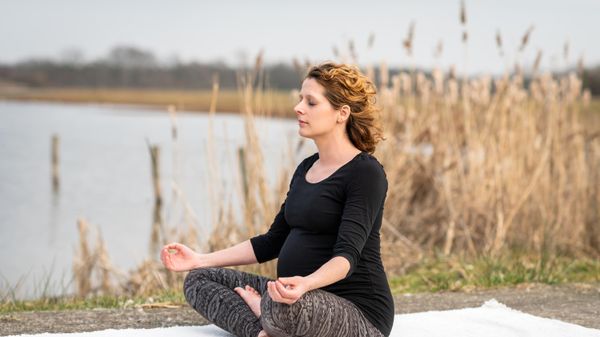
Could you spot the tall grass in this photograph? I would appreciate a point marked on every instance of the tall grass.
(482, 165)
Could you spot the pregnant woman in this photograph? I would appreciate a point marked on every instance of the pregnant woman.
(330, 278)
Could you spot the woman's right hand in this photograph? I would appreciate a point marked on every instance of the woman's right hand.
(179, 257)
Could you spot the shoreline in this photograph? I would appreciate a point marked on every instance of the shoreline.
(272, 103)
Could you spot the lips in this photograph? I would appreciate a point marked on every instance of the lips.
(302, 122)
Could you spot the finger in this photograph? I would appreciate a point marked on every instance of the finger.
(173, 246)
(166, 262)
(283, 291)
(285, 285)
(164, 252)
(169, 262)
(276, 295)
(285, 280)
(163, 259)
(273, 292)
(270, 290)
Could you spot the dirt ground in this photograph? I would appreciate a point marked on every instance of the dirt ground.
(579, 304)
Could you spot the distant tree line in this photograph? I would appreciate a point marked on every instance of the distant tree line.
(194, 75)
(131, 67)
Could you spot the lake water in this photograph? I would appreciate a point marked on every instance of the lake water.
(105, 177)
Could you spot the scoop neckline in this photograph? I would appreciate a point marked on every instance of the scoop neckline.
(332, 174)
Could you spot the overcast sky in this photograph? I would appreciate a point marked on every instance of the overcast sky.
(225, 30)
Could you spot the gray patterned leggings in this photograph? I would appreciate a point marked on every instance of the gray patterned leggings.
(318, 313)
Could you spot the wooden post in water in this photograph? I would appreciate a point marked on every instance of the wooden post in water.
(55, 160)
(157, 219)
(154, 155)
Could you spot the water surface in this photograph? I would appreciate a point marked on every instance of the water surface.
(106, 179)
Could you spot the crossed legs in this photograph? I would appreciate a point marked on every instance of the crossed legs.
(221, 296)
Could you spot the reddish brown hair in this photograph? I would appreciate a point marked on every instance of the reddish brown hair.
(345, 85)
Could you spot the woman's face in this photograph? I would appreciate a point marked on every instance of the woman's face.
(316, 116)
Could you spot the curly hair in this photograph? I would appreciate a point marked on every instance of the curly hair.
(345, 85)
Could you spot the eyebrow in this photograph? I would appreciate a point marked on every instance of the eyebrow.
(307, 95)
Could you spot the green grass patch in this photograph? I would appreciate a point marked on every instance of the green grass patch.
(170, 297)
(462, 274)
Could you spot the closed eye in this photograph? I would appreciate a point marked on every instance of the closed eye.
(309, 99)
(310, 103)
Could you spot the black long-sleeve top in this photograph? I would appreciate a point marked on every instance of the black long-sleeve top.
(339, 216)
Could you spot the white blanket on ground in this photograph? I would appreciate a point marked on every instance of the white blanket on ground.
(492, 319)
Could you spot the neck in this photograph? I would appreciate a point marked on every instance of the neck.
(334, 149)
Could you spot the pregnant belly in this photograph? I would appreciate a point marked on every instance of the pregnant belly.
(304, 252)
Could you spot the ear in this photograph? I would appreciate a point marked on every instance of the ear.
(344, 113)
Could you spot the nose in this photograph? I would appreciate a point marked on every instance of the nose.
(298, 110)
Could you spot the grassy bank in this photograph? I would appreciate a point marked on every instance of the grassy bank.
(273, 103)
(433, 275)
(459, 274)
(166, 298)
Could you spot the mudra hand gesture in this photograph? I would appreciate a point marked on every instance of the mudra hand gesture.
(178, 257)
(287, 290)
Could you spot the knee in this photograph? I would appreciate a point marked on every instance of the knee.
(297, 319)
(196, 275)
(194, 279)
(271, 327)
(276, 318)
(267, 319)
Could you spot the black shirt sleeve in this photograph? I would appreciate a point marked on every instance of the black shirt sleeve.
(365, 193)
(268, 245)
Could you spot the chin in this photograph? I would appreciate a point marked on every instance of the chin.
(302, 133)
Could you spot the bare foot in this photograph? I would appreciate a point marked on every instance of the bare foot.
(252, 298)
(262, 333)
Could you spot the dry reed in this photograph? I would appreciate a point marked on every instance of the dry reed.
(506, 166)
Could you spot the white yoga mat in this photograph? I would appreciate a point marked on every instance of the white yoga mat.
(492, 319)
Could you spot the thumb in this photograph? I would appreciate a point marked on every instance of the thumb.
(286, 280)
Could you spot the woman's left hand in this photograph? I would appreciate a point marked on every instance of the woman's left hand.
(287, 289)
